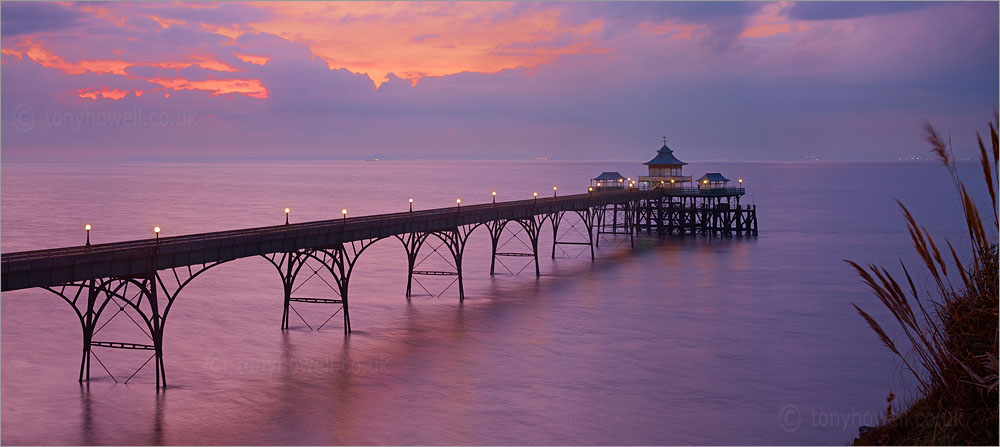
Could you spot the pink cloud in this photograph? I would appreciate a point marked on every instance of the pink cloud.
(250, 59)
(102, 92)
(247, 87)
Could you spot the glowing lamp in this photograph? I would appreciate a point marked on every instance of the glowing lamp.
(87, 227)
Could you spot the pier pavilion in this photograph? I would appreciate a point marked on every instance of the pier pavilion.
(713, 180)
(665, 170)
(608, 181)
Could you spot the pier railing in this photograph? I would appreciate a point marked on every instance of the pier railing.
(53, 266)
(696, 191)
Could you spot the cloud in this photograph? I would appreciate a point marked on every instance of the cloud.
(251, 59)
(103, 92)
(494, 80)
(850, 10)
(27, 18)
(419, 40)
(248, 87)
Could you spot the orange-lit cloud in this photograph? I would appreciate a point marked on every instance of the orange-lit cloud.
(102, 12)
(259, 60)
(166, 22)
(37, 52)
(231, 32)
(417, 40)
(248, 87)
(770, 21)
(103, 92)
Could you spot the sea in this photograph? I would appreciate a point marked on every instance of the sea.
(679, 340)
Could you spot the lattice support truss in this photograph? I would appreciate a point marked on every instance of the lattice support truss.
(452, 240)
(338, 262)
(531, 227)
(146, 301)
(579, 229)
(617, 218)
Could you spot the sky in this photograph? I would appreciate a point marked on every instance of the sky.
(166, 81)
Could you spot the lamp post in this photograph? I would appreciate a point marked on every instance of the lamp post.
(344, 212)
(590, 190)
(494, 197)
(411, 205)
(458, 203)
(555, 189)
(156, 231)
(286, 215)
(535, 194)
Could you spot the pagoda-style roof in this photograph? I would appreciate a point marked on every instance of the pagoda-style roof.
(712, 177)
(609, 176)
(665, 156)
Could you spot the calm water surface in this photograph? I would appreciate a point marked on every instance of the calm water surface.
(681, 341)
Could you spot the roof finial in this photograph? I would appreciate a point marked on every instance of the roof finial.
(664, 140)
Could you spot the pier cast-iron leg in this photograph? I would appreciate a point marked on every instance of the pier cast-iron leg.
(461, 283)
(599, 218)
(535, 229)
(157, 323)
(88, 330)
(289, 279)
(345, 280)
(588, 218)
(556, 218)
(495, 228)
(629, 224)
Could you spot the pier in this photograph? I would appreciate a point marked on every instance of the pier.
(147, 276)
